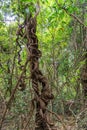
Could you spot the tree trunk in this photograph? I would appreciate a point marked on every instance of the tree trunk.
(84, 80)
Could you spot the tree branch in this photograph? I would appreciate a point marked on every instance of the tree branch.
(58, 118)
(72, 15)
(12, 95)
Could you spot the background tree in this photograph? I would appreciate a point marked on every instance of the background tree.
(62, 38)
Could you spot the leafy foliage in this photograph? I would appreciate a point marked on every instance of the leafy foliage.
(61, 40)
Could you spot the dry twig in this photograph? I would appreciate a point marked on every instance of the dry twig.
(58, 118)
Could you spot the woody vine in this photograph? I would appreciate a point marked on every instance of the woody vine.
(27, 32)
(43, 96)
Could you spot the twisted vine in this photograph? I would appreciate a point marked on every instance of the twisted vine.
(20, 34)
(42, 97)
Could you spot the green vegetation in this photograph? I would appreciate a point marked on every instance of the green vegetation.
(62, 39)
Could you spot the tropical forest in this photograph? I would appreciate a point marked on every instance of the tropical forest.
(43, 64)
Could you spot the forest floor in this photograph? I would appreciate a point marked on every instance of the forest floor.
(63, 122)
